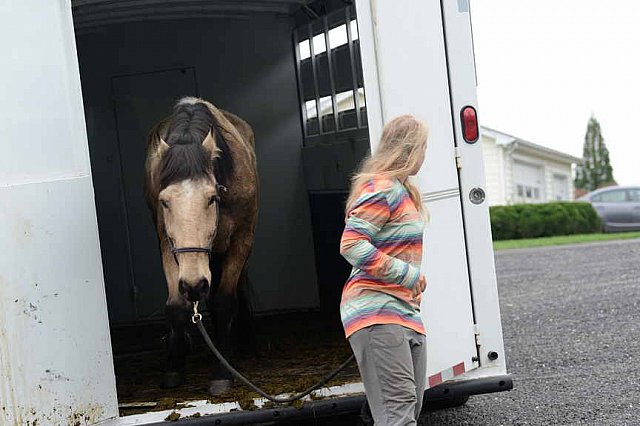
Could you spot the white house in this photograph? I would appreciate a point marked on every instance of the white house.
(518, 171)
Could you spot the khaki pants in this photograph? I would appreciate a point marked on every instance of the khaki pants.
(392, 360)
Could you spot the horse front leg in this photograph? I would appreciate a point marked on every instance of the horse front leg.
(177, 312)
(177, 345)
(224, 310)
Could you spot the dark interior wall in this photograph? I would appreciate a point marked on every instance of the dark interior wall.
(244, 66)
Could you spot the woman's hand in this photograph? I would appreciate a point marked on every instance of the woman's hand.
(420, 286)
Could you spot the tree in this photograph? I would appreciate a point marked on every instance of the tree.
(595, 170)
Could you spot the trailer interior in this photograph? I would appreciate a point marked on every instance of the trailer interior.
(292, 70)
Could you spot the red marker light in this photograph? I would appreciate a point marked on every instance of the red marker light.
(469, 121)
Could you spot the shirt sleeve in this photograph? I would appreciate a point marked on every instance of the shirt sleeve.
(366, 218)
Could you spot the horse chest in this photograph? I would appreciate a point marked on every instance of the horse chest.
(223, 235)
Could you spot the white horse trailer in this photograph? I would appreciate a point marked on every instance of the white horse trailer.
(317, 80)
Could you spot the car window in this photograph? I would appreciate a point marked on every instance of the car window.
(634, 195)
(616, 196)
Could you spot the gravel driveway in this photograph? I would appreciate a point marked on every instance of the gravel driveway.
(571, 318)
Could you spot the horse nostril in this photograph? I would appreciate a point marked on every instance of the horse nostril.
(183, 287)
(194, 292)
(203, 286)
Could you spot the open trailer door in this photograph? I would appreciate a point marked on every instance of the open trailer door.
(55, 355)
(405, 72)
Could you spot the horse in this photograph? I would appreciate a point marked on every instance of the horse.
(201, 186)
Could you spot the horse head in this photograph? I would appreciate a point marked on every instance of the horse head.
(188, 203)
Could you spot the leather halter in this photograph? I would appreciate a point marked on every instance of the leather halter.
(191, 250)
(176, 250)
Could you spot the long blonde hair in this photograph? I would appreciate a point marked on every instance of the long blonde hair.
(403, 141)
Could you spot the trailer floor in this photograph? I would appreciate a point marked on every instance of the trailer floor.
(292, 352)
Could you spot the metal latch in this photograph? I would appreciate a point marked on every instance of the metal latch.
(458, 158)
(476, 334)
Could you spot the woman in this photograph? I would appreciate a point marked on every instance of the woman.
(380, 307)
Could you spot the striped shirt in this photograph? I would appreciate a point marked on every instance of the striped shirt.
(382, 239)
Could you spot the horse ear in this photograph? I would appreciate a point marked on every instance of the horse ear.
(209, 143)
(162, 147)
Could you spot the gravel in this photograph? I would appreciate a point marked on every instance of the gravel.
(571, 318)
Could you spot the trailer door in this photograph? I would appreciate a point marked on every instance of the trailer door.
(405, 72)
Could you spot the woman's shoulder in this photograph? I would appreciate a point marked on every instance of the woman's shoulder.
(381, 183)
(380, 187)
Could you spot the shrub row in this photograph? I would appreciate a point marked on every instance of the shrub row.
(543, 220)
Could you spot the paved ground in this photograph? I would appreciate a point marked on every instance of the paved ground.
(571, 318)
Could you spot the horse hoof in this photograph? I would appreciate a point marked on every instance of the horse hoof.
(172, 379)
(217, 387)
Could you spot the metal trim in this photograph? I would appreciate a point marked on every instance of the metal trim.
(303, 108)
(449, 390)
(311, 410)
(332, 83)
(346, 405)
(315, 78)
(440, 195)
(352, 60)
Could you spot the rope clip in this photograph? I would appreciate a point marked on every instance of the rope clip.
(197, 316)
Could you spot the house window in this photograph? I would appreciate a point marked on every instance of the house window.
(528, 179)
(560, 187)
(528, 191)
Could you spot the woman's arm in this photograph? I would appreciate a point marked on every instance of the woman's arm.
(365, 219)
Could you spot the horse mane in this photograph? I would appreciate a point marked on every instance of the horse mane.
(186, 158)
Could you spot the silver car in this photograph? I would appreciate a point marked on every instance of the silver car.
(617, 206)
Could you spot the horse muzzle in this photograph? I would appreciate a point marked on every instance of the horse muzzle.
(194, 292)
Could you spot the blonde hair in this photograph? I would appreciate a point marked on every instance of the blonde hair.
(403, 141)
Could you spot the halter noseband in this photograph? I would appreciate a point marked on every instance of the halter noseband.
(176, 250)
(191, 250)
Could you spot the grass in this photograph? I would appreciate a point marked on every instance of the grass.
(563, 239)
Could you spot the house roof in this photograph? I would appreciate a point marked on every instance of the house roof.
(515, 142)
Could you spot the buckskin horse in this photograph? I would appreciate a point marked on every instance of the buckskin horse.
(202, 188)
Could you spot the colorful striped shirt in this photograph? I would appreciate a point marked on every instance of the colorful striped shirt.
(382, 239)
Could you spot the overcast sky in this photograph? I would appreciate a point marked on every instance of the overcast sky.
(544, 66)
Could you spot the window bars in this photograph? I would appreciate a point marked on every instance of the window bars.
(329, 72)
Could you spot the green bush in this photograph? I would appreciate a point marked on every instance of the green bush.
(543, 220)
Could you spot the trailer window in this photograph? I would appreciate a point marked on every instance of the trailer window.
(305, 50)
(337, 37)
(319, 44)
(330, 81)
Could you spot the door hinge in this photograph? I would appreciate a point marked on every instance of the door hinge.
(458, 158)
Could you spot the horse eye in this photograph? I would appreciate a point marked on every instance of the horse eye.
(164, 203)
(214, 199)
